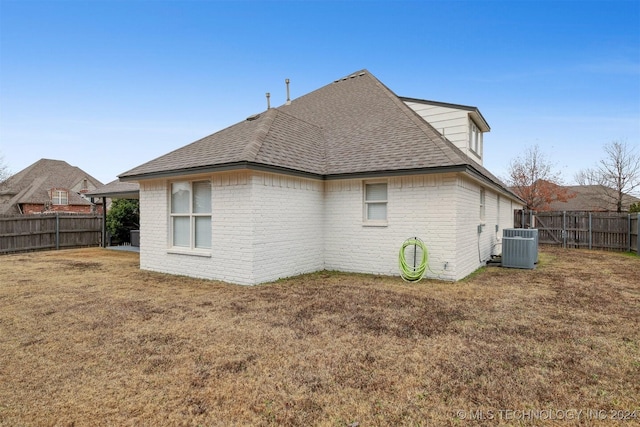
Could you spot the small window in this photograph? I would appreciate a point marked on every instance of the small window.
(59, 197)
(375, 202)
(191, 214)
(475, 138)
(482, 204)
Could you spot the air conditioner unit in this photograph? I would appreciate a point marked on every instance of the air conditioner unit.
(519, 252)
(523, 232)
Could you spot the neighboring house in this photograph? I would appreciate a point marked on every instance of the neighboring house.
(336, 179)
(594, 198)
(48, 186)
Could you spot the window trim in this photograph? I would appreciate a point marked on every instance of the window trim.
(365, 204)
(57, 199)
(475, 138)
(192, 248)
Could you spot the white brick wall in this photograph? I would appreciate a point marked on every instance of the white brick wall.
(231, 254)
(264, 227)
(418, 206)
(268, 226)
(287, 226)
(474, 249)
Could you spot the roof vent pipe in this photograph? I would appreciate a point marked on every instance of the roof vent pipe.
(268, 102)
(288, 97)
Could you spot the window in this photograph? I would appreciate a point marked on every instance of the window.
(59, 197)
(191, 214)
(482, 205)
(375, 202)
(475, 138)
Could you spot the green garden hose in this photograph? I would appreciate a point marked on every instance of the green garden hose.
(414, 272)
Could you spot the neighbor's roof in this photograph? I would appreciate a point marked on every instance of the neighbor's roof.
(592, 198)
(32, 184)
(352, 127)
(117, 189)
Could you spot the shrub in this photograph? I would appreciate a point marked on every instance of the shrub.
(123, 216)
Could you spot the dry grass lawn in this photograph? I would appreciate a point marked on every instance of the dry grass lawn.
(88, 339)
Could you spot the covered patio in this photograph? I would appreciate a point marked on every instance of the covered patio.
(116, 190)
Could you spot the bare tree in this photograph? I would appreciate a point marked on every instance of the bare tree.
(4, 170)
(617, 175)
(531, 176)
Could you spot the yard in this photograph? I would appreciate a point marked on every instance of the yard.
(88, 339)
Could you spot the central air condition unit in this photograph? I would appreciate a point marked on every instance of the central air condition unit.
(523, 232)
(519, 252)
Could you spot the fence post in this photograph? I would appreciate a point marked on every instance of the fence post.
(638, 235)
(57, 230)
(564, 229)
(628, 232)
(590, 229)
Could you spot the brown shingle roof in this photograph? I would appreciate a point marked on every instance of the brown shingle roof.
(353, 126)
(117, 189)
(32, 184)
(592, 198)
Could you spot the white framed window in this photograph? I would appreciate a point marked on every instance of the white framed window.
(375, 203)
(482, 203)
(191, 214)
(59, 197)
(475, 138)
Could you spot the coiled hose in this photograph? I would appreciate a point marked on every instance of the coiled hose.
(415, 271)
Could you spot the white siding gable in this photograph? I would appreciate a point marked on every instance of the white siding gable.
(453, 123)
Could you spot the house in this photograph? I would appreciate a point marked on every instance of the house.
(48, 186)
(336, 179)
(593, 198)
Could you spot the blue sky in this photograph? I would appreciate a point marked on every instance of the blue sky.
(107, 86)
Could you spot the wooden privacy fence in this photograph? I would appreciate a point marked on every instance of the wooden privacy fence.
(587, 230)
(22, 233)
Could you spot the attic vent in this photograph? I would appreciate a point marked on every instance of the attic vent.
(254, 117)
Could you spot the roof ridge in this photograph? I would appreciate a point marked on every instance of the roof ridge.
(252, 148)
(320, 130)
(421, 123)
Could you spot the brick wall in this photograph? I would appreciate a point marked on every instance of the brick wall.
(287, 226)
(473, 249)
(268, 226)
(264, 227)
(30, 208)
(418, 206)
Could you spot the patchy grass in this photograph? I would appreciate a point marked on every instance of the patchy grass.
(86, 338)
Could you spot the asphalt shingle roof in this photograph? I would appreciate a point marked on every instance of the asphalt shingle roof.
(117, 189)
(592, 198)
(32, 184)
(355, 125)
